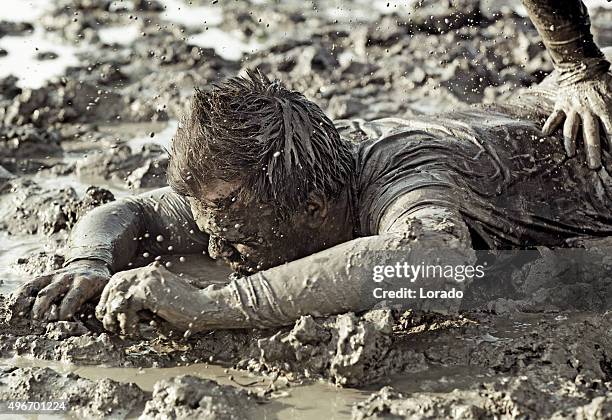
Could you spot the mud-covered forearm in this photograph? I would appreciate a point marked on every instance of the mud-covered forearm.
(104, 231)
(159, 222)
(350, 277)
(330, 282)
(565, 29)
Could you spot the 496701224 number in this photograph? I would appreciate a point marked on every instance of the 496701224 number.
(33, 407)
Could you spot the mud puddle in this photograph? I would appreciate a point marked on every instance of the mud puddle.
(302, 402)
(15, 247)
(11, 249)
(308, 402)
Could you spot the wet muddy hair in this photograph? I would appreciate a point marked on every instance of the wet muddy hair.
(279, 145)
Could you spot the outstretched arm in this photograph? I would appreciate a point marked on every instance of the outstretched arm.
(336, 280)
(585, 86)
(103, 242)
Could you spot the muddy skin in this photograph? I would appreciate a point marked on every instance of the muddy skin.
(396, 71)
(249, 248)
(583, 76)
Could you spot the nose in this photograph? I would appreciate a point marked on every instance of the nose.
(218, 248)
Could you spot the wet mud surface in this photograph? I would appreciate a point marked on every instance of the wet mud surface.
(96, 129)
(478, 364)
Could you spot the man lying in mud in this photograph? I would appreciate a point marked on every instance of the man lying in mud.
(261, 178)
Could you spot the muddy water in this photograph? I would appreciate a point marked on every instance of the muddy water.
(307, 402)
(11, 249)
(14, 247)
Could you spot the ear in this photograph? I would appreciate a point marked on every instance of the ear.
(317, 208)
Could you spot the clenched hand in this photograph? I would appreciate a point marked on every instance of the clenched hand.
(59, 295)
(586, 104)
(130, 294)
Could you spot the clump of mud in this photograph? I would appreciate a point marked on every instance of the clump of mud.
(508, 398)
(346, 349)
(473, 365)
(146, 169)
(28, 208)
(188, 397)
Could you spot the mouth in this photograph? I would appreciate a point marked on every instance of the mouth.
(242, 267)
(239, 262)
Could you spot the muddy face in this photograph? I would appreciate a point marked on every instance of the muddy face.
(249, 235)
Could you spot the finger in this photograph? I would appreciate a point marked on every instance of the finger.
(22, 298)
(115, 304)
(128, 321)
(32, 287)
(109, 290)
(553, 122)
(20, 309)
(126, 313)
(590, 132)
(570, 133)
(81, 291)
(48, 295)
(109, 322)
(604, 112)
(101, 306)
(606, 120)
